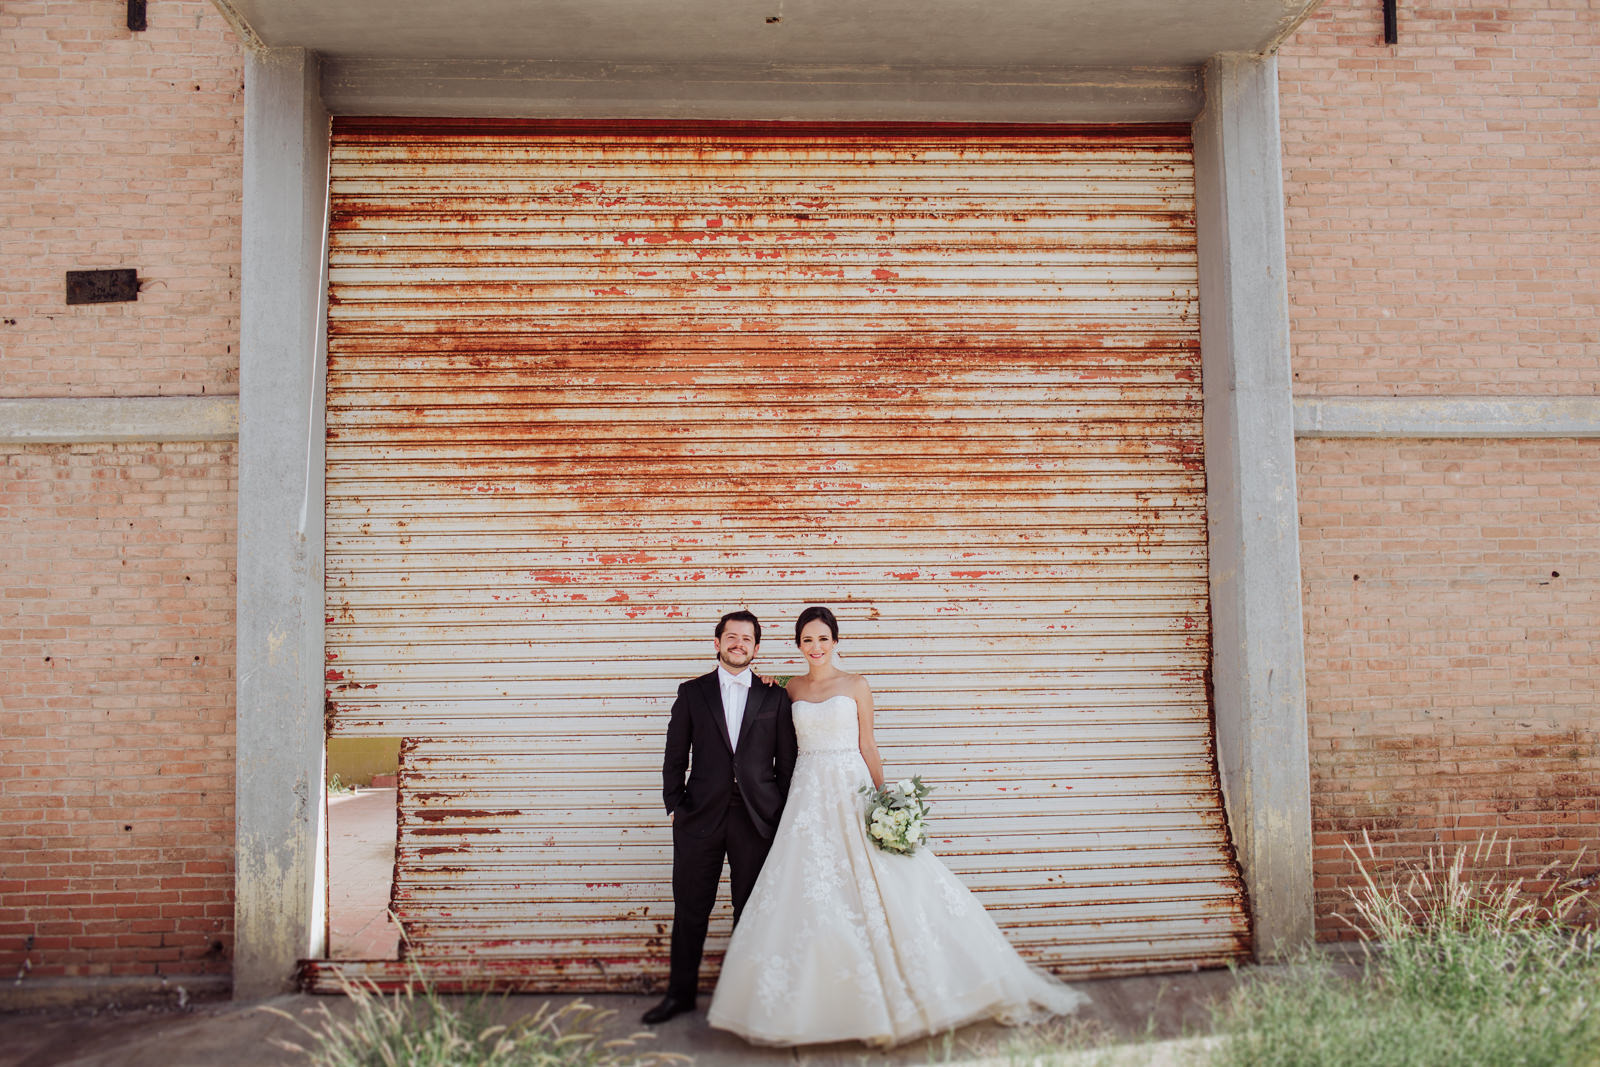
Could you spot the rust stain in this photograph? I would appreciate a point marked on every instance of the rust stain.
(445, 815)
(662, 237)
(1191, 453)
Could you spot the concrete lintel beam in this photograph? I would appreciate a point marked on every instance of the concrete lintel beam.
(943, 33)
(754, 92)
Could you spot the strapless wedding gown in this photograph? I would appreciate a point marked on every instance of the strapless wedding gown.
(842, 941)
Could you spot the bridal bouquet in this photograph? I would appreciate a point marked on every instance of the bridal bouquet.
(897, 815)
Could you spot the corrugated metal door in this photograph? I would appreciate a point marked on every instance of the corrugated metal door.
(590, 388)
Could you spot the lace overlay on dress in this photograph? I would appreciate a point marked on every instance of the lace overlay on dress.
(841, 941)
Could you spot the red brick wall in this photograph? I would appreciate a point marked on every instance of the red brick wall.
(121, 150)
(116, 640)
(1452, 599)
(1443, 198)
(116, 669)
(1443, 214)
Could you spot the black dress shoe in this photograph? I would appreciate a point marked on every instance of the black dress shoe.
(668, 1007)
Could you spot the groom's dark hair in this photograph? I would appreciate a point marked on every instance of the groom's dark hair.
(739, 616)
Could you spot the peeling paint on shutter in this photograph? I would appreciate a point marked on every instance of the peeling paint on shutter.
(591, 387)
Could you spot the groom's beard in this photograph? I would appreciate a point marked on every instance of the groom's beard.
(734, 666)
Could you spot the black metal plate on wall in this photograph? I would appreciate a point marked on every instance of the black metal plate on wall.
(102, 286)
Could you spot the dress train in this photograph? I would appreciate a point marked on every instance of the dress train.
(842, 941)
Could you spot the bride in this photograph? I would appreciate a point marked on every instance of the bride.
(841, 941)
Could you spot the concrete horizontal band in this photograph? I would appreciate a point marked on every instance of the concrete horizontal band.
(1447, 416)
(68, 420)
(75, 420)
(492, 88)
(127, 991)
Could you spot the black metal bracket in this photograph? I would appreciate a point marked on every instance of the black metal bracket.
(102, 286)
(136, 20)
(1391, 22)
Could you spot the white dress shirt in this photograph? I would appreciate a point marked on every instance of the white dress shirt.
(735, 694)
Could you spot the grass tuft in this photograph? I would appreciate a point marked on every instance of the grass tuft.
(417, 1027)
(1457, 972)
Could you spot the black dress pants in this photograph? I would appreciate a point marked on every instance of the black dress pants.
(696, 869)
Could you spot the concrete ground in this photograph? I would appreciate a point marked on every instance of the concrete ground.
(209, 1033)
(361, 829)
(361, 840)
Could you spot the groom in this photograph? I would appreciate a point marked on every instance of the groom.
(732, 735)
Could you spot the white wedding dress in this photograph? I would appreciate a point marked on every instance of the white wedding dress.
(842, 941)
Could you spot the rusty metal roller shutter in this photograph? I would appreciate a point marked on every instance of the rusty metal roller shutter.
(589, 388)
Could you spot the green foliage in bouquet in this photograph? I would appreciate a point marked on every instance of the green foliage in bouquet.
(897, 815)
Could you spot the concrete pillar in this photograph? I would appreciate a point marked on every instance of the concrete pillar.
(280, 799)
(1258, 663)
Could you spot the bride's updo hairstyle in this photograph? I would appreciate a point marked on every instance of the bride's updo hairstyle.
(816, 611)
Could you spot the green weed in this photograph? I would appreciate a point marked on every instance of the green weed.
(1457, 972)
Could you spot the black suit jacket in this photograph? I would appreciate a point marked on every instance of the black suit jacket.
(701, 766)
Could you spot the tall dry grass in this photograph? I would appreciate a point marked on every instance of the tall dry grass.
(419, 1027)
(1464, 966)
